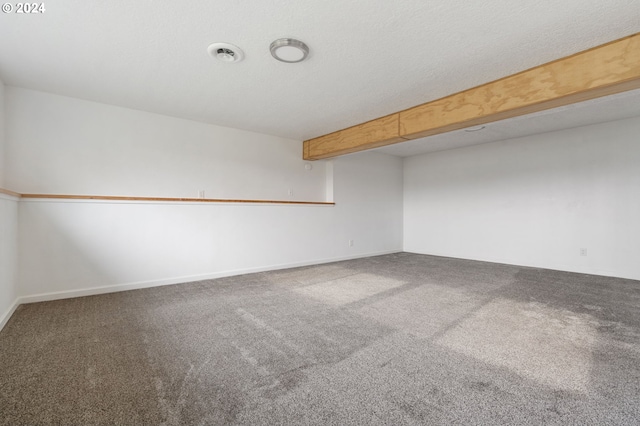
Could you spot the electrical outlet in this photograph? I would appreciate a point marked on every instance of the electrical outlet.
(583, 252)
(201, 193)
(350, 243)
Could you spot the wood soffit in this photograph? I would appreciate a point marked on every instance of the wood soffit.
(601, 71)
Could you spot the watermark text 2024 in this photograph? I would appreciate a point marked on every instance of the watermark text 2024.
(24, 8)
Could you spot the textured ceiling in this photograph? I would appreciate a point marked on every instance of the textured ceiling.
(368, 57)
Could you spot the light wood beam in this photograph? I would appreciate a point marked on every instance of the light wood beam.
(372, 134)
(604, 70)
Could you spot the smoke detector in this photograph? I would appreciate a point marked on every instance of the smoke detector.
(226, 52)
(289, 50)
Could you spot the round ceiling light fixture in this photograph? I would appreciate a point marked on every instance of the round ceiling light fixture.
(289, 50)
(226, 52)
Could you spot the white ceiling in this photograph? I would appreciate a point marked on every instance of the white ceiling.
(368, 58)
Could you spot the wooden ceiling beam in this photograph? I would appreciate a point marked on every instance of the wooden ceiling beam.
(604, 70)
(372, 134)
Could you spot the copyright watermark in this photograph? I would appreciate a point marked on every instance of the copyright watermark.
(23, 8)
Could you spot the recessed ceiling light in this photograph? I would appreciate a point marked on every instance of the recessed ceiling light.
(226, 52)
(474, 129)
(289, 50)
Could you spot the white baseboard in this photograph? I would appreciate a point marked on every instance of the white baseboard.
(556, 266)
(4, 318)
(67, 294)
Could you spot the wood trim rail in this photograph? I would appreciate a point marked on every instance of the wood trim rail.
(162, 199)
(167, 199)
(604, 70)
(7, 192)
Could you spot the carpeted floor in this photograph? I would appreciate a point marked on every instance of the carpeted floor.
(394, 340)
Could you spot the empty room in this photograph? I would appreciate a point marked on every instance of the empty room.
(320, 213)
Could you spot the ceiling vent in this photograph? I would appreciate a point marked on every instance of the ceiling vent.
(226, 52)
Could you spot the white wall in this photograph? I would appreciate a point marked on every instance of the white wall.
(8, 234)
(62, 145)
(75, 247)
(8, 256)
(532, 201)
(2, 133)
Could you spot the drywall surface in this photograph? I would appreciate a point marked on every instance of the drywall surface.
(83, 247)
(8, 255)
(57, 144)
(2, 135)
(8, 234)
(534, 201)
(69, 146)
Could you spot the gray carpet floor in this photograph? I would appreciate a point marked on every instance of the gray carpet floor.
(401, 339)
